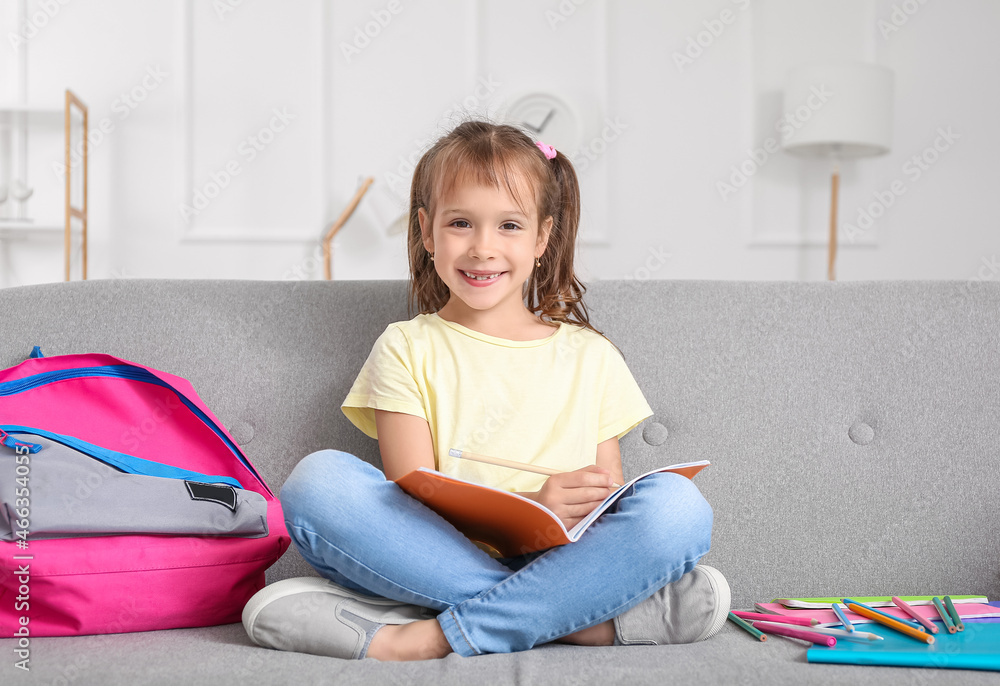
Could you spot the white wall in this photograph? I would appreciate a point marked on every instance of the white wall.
(185, 89)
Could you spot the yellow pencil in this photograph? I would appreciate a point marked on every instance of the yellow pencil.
(511, 464)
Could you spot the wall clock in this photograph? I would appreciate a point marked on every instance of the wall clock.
(548, 118)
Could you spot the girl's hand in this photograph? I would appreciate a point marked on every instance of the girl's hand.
(574, 495)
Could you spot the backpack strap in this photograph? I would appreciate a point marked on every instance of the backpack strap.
(9, 441)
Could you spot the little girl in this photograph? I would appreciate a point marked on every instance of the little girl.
(502, 360)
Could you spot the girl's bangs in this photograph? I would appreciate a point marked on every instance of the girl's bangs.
(457, 166)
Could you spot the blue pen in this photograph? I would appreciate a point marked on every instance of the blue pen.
(843, 618)
(907, 622)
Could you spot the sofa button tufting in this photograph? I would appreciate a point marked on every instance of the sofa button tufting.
(241, 432)
(654, 433)
(861, 433)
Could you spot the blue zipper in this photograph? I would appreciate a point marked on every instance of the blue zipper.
(122, 371)
(121, 461)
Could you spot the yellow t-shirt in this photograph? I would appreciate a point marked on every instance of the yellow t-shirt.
(547, 402)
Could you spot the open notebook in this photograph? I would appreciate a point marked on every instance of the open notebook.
(509, 523)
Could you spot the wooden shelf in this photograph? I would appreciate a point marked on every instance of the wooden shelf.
(73, 112)
(23, 230)
(37, 115)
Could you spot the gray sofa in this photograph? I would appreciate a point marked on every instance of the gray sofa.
(852, 429)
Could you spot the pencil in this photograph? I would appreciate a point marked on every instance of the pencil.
(786, 630)
(906, 622)
(945, 617)
(905, 607)
(841, 634)
(954, 613)
(890, 622)
(743, 625)
(777, 619)
(842, 617)
(510, 464)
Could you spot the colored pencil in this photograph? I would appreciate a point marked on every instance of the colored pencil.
(954, 613)
(945, 617)
(890, 622)
(510, 464)
(778, 619)
(842, 617)
(746, 627)
(913, 625)
(785, 630)
(841, 634)
(905, 607)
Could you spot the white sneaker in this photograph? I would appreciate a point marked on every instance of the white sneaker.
(691, 609)
(316, 616)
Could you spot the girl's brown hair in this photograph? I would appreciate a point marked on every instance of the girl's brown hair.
(490, 154)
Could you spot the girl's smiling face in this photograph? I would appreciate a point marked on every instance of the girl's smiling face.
(484, 244)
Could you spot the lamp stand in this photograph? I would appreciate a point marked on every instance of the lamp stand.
(832, 256)
(337, 225)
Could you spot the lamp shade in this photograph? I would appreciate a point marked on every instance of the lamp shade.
(841, 109)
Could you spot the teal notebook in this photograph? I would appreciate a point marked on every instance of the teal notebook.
(978, 647)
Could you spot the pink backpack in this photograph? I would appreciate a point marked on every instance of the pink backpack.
(130, 507)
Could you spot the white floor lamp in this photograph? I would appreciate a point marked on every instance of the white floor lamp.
(844, 110)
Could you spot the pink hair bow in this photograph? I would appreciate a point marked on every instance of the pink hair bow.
(548, 150)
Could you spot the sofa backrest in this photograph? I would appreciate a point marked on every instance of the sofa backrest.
(853, 427)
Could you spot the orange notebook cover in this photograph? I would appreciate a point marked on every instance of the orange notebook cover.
(509, 523)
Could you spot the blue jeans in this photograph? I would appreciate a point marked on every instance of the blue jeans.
(365, 533)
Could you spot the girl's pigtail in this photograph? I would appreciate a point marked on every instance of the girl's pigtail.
(427, 292)
(557, 295)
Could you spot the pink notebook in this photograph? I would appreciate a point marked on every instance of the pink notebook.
(965, 611)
